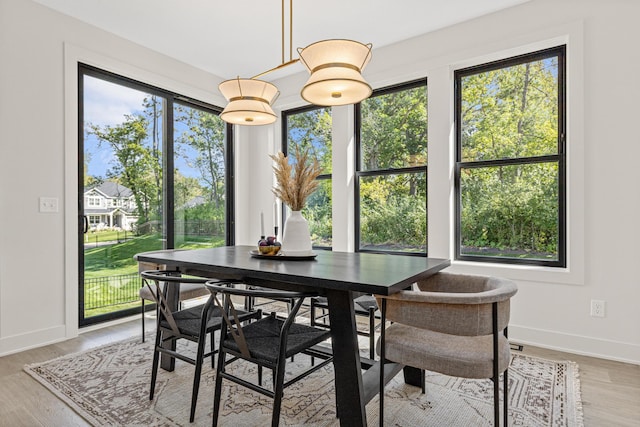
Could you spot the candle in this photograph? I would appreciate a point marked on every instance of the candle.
(275, 214)
(262, 224)
(276, 218)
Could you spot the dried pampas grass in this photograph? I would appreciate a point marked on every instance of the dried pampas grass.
(295, 182)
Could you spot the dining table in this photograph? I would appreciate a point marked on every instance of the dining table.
(339, 276)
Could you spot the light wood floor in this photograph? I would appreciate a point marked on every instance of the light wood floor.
(610, 390)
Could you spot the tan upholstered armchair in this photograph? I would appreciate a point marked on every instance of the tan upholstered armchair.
(454, 324)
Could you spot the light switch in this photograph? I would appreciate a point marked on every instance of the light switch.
(48, 204)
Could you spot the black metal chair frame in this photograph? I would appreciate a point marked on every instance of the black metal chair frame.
(369, 312)
(251, 304)
(245, 348)
(172, 325)
(153, 306)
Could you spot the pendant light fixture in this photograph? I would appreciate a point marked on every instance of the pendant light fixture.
(336, 79)
(249, 101)
(335, 67)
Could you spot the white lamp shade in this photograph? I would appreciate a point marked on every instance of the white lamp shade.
(249, 101)
(335, 67)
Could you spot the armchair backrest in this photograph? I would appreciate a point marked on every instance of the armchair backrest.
(453, 304)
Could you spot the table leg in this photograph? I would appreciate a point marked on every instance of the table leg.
(167, 362)
(346, 359)
(412, 376)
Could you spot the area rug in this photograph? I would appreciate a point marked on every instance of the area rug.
(109, 386)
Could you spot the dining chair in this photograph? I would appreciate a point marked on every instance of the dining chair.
(187, 291)
(267, 342)
(453, 324)
(364, 305)
(253, 303)
(192, 324)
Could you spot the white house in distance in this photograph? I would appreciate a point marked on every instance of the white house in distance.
(110, 205)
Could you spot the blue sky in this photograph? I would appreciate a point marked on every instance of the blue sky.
(107, 104)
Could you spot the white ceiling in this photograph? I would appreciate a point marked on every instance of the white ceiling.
(243, 37)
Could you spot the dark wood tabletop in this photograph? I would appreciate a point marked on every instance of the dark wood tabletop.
(338, 275)
(344, 271)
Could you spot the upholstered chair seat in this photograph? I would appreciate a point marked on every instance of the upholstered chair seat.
(457, 356)
(453, 324)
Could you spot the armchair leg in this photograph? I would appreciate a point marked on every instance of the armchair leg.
(496, 400)
(505, 397)
(213, 350)
(383, 312)
(142, 319)
(505, 388)
(278, 389)
(196, 378)
(156, 360)
(217, 395)
(372, 333)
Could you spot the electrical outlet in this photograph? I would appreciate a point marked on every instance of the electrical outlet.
(48, 204)
(597, 308)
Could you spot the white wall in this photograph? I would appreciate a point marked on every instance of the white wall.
(37, 252)
(39, 50)
(552, 306)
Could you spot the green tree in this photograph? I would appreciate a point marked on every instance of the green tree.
(153, 110)
(311, 130)
(394, 130)
(205, 136)
(393, 139)
(510, 113)
(134, 164)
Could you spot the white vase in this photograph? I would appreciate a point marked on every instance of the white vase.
(296, 240)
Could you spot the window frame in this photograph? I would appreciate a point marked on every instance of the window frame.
(168, 152)
(285, 150)
(358, 173)
(168, 143)
(560, 157)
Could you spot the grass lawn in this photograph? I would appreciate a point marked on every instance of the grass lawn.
(113, 260)
(116, 259)
(107, 236)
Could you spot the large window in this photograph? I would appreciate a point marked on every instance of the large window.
(310, 129)
(391, 170)
(153, 174)
(510, 160)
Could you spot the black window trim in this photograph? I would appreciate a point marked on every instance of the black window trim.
(172, 98)
(559, 158)
(382, 172)
(285, 150)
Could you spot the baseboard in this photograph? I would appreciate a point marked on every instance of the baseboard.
(17, 343)
(114, 322)
(577, 344)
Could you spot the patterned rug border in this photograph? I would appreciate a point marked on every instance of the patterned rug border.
(30, 369)
(577, 389)
(66, 395)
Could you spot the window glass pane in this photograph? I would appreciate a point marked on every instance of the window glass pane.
(311, 130)
(122, 174)
(393, 132)
(199, 178)
(510, 211)
(125, 185)
(318, 214)
(510, 112)
(393, 214)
